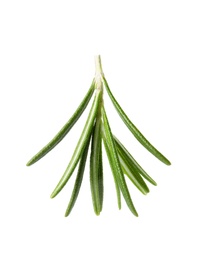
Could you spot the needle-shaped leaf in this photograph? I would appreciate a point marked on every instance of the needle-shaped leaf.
(80, 145)
(78, 180)
(94, 165)
(65, 129)
(134, 164)
(100, 175)
(134, 176)
(116, 162)
(113, 169)
(138, 135)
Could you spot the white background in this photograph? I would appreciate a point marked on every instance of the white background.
(158, 57)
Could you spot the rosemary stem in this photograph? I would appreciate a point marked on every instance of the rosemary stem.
(98, 66)
(98, 74)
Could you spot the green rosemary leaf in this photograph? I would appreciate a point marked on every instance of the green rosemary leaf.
(116, 162)
(134, 176)
(78, 180)
(65, 129)
(80, 145)
(138, 135)
(94, 165)
(100, 174)
(113, 169)
(134, 164)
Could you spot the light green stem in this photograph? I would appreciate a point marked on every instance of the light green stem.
(98, 65)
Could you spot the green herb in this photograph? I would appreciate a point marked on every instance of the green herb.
(114, 171)
(96, 131)
(65, 129)
(95, 165)
(78, 181)
(134, 129)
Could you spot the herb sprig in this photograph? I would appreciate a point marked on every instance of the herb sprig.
(96, 131)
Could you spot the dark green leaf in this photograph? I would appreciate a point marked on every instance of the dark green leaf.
(78, 181)
(134, 164)
(138, 135)
(95, 165)
(133, 175)
(116, 162)
(113, 169)
(100, 177)
(80, 145)
(65, 129)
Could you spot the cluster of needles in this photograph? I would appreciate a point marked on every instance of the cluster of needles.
(96, 131)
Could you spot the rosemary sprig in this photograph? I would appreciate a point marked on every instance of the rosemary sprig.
(97, 130)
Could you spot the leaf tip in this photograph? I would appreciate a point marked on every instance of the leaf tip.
(66, 214)
(167, 162)
(53, 194)
(136, 214)
(147, 191)
(29, 163)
